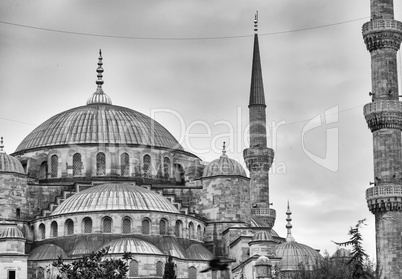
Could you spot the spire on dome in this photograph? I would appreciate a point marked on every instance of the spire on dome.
(1, 146)
(99, 97)
(257, 96)
(289, 237)
(224, 150)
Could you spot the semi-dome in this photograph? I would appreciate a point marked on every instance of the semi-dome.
(133, 245)
(108, 197)
(263, 261)
(11, 232)
(170, 245)
(8, 163)
(99, 122)
(46, 252)
(224, 166)
(198, 252)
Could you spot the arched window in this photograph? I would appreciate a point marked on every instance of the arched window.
(54, 165)
(199, 233)
(133, 269)
(166, 167)
(192, 272)
(107, 225)
(146, 226)
(100, 164)
(159, 268)
(125, 164)
(191, 230)
(179, 174)
(87, 225)
(42, 231)
(43, 170)
(126, 225)
(163, 227)
(53, 228)
(146, 165)
(178, 230)
(69, 227)
(77, 164)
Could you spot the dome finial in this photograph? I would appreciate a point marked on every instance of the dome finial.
(99, 97)
(99, 70)
(289, 237)
(1, 146)
(256, 22)
(224, 148)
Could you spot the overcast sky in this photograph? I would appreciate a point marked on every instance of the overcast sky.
(188, 63)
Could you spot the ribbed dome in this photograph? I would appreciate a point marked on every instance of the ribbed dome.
(133, 245)
(10, 164)
(99, 123)
(224, 166)
(46, 252)
(107, 197)
(293, 254)
(198, 252)
(263, 236)
(170, 245)
(11, 232)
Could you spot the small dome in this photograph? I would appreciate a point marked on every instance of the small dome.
(224, 166)
(11, 232)
(133, 245)
(108, 197)
(293, 254)
(342, 253)
(10, 164)
(198, 252)
(46, 252)
(263, 260)
(263, 236)
(170, 245)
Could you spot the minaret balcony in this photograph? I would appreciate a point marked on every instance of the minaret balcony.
(384, 198)
(382, 33)
(264, 211)
(382, 114)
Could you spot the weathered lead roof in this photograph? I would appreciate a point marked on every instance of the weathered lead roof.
(115, 197)
(99, 123)
(224, 166)
(257, 96)
(10, 164)
(11, 232)
(46, 252)
(133, 245)
(198, 252)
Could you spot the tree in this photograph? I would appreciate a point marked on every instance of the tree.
(358, 254)
(169, 269)
(93, 266)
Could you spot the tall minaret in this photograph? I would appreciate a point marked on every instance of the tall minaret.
(258, 157)
(383, 36)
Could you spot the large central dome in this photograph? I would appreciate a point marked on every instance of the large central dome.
(115, 197)
(99, 123)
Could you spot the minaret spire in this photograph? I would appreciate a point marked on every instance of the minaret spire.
(289, 237)
(99, 97)
(258, 157)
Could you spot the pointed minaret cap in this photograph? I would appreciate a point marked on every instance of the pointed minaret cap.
(289, 237)
(99, 97)
(1, 145)
(257, 97)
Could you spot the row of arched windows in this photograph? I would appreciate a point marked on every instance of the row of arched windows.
(107, 223)
(101, 165)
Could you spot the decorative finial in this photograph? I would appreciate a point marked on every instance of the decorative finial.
(99, 97)
(99, 70)
(1, 145)
(256, 22)
(224, 148)
(289, 237)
